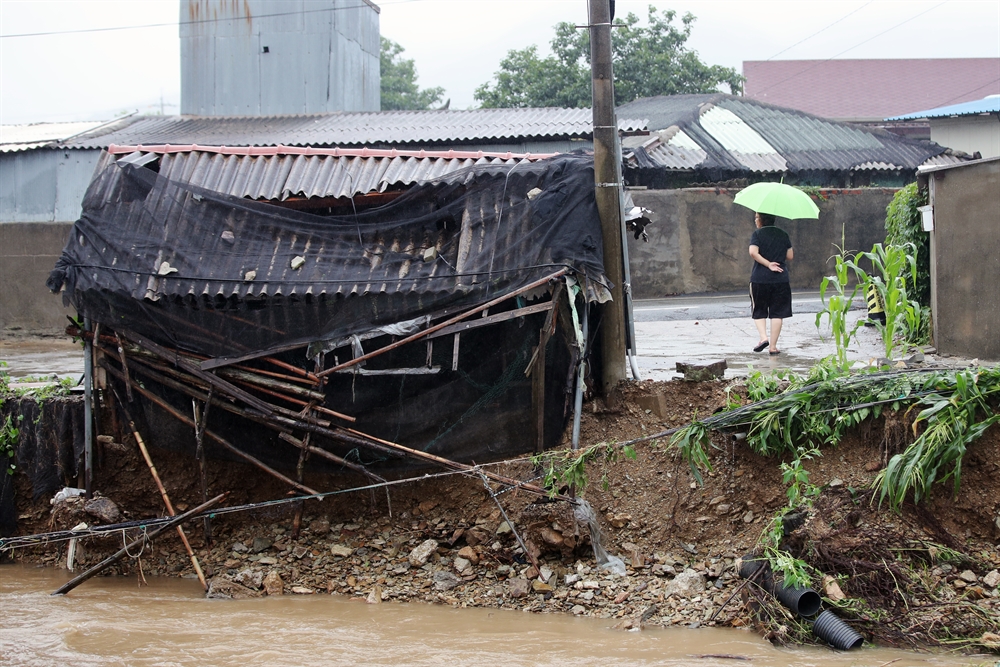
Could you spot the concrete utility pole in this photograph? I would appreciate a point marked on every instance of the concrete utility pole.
(608, 192)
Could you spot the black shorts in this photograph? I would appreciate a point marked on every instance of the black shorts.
(770, 300)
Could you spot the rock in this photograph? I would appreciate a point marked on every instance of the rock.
(299, 552)
(545, 573)
(239, 547)
(748, 517)
(375, 597)
(267, 560)
(572, 579)
(969, 577)
(319, 527)
(835, 482)
(302, 590)
(462, 565)
(539, 587)
(249, 577)
(224, 589)
(702, 372)
(723, 508)
(102, 509)
(551, 537)
(832, 589)
(444, 580)
(687, 584)
(517, 587)
(427, 506)
(422, 552)
(273, 585)
(260, 544)
(341, 550)
(469, 554)
(503, 528)
(992, 579)
(653, 404)
(578, 610)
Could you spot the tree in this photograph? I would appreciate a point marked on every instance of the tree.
(648, 60)
(399, 89)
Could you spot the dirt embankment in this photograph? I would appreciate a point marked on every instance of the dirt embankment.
(925, 576)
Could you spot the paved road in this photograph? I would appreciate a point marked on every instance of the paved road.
(717, 306)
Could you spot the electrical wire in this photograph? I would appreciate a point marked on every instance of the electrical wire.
(806, 39)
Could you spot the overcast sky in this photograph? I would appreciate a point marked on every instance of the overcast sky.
(456, 44)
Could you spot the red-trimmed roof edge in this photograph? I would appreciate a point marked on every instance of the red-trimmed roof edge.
(115, 149)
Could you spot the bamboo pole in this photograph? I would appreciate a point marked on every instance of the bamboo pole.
(117, 556)
(166, 501)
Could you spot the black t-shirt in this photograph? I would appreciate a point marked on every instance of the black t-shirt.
(773, 244)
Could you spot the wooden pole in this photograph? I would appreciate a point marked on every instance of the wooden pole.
(167, 503)
(608, 194)
(117, 556)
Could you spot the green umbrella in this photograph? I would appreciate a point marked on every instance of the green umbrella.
(777, 199)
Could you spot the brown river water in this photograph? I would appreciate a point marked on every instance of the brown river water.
(112, 621)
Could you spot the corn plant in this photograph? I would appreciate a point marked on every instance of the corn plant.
(957, 413)
(838, 305)
(894, 277)
(692, 441)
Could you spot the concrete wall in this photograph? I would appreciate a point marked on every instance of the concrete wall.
(41, 192)
(699, 239)
(965, 259)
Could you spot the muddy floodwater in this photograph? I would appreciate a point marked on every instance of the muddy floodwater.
(111, 621)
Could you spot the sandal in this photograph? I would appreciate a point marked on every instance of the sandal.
(761, 345)
(774, 352)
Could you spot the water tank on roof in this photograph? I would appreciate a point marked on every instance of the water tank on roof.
(275, 57)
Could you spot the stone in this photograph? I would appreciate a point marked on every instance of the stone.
(503, 528)
(832, 589)
(260, 544)
(375, 597)
(319, 527)
(273, 585)
(539, 587)
(687, 584)
(427, 506)
(444, 580)
(267, 560)
(723, 508)
(341, 550)
(748, 517)
(578, 609)
(299, 552)
(517, 587)
(249, 577)
(469, 554)
(969, 577)
(992, 579)
(422, 553)
(239, 547)
(653, 404)
(224, 589)
(302, 590)
(102, 509)
(551, 537)
(572, 579)
(695, 372)
(545, 573)
(462, 565)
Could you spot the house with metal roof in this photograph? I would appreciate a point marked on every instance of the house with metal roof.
(713, 138)
(973, 127)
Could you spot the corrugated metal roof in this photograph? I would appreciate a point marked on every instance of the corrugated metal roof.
(282, 176)
(356, 129)
(986, 105)
(739, 136)
(15, 138)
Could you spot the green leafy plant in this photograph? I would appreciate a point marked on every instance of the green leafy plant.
(692, 441)
(893, 277)
(958, 411)
(567, 467)
(902, 227)
(838, 304)
(796, 477)
(8, 444)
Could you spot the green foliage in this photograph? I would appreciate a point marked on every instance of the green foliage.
(8, 444)
(566, 467)
(796, 572)
(692, 441)
(894, 276)
(399, 90)
(838, 305)
(648, 60)
(902, 227)
(796, 477)
(957, 410)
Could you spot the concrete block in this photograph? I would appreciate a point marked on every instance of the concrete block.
(700, 372)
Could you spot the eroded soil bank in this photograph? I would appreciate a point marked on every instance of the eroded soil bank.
(924, 577)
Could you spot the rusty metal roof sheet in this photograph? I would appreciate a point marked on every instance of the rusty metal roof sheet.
(356, 128)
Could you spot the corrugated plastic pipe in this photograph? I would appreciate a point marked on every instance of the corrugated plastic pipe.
(830, 628)
(800, 601)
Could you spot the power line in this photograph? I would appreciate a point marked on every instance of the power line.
(197, 22)
(822, 30)
(814, 66)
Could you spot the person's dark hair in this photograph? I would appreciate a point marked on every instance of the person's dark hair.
(766, 219)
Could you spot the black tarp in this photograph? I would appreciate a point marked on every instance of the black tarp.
(170, 261)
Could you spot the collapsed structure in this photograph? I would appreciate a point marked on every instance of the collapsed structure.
(441, 326)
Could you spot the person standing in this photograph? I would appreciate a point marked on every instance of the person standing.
(770, 290)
